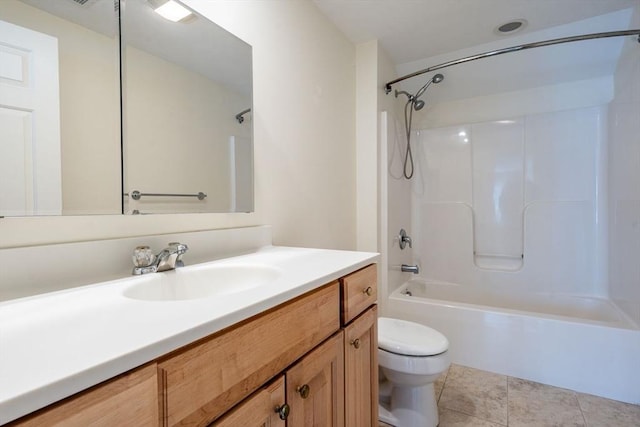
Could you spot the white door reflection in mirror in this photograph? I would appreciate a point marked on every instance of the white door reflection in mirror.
(30, 166)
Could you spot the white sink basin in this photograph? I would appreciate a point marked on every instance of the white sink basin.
(201, 282)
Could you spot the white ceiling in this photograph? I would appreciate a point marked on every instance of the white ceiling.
(417, 34)
(409, 30)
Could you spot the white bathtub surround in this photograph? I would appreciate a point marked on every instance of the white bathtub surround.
(498, 192)
(57, 344)
(512, 202)
(624, 179)
(593, 349)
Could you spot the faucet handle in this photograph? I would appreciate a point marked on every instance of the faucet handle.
(143, 260)
(404, 239)
(142, 256)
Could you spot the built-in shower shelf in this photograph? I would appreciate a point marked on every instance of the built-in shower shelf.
(499, 262)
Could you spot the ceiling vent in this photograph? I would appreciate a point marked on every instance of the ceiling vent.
(510, 27)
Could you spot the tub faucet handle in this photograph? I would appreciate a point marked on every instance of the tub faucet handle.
(404, 239)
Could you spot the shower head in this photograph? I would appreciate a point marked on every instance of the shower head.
(437, 78)
(417, 103)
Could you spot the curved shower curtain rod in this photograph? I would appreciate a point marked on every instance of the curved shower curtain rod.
(387, 86)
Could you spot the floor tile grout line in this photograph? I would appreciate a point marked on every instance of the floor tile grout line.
(508, 400)
(472, 415)
(444, 383)
(584, 417)
(475, 416)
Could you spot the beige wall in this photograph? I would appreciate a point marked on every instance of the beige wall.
(367, 146)
(304, 101)
(374, 69)
(183, 120)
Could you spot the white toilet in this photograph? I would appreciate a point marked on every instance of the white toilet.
(411, 357)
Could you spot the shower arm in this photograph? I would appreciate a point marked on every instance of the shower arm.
(239, 117)
(387, 86)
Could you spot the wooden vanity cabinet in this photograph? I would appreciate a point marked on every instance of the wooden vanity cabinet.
(313, 396)
(209, 377)
(359, 322)
(335, 384)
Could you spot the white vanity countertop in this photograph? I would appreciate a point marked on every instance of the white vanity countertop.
(57, 344)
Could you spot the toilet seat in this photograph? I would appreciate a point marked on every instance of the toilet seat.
(409, 338)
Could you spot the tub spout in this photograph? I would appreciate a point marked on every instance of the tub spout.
(410, 268)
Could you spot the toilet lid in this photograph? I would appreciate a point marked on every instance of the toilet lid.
(409, 338)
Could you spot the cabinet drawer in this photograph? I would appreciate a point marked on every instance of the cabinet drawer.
(208, 378)
(131, 399)
(359, 291)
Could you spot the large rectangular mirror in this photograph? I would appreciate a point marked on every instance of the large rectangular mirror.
(186, 148)
(63, 150)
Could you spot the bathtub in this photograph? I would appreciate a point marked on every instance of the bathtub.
(580, 343)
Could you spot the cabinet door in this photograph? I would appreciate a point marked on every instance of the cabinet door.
(129, 400)
(361, 370)
(258, 410)
(315, 387)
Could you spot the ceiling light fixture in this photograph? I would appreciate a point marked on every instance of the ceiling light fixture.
(510, 27)
(173, 11)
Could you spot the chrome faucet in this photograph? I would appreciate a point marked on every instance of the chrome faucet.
(410, 268)
(168, 259)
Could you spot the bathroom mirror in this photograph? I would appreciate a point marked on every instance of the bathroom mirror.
(183, 84)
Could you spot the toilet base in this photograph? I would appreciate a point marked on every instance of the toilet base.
(410, 407)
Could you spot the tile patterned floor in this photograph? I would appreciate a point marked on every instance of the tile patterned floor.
(470, 397)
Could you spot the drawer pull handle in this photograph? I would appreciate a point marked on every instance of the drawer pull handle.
(283, 411)
(304, 391)
(355, 343)
(368, 291)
